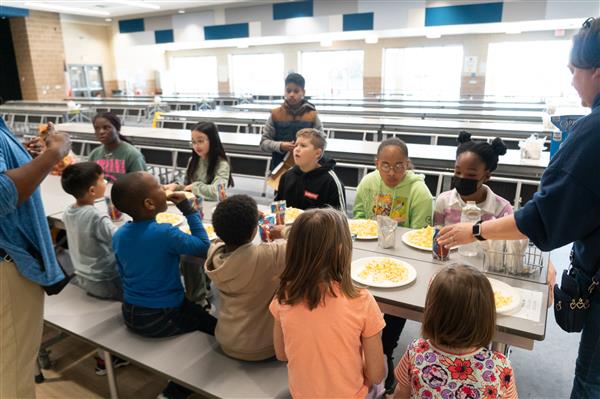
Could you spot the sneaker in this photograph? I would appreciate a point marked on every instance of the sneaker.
(101, 367)
(390, 380)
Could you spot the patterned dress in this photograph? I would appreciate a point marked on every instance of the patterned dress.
(433, 373)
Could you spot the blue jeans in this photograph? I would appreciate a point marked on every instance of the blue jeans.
(587, 370)
(166, 322)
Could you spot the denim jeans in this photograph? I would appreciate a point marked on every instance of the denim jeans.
(587, 369)
(166, 322)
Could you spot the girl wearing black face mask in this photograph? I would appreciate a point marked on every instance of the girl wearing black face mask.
(475, 162)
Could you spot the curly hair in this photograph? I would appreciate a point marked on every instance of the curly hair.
(235, 219)
(487, 152)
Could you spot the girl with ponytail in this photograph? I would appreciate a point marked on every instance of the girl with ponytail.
(116, 156)
(475, 162)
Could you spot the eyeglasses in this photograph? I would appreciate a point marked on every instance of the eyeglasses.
(399, 167)
(193, 143)
(588, 23)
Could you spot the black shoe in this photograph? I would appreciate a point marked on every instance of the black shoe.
(174, 391)
(116, 361)
(390, 380)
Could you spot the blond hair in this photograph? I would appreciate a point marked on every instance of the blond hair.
(317, 139)
(460, 311)
(318, 254)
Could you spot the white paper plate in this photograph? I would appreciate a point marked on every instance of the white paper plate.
(506, 290)
(180, 218)
(362, 237)
(410, 244)
(211, 235)
(359, 264)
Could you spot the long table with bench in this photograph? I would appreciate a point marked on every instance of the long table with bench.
(413, 112)
(169, 148)
(194, 359)
(366, 128)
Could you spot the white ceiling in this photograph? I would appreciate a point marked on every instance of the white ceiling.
(122, 8)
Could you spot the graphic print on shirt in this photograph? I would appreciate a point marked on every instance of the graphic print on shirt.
(110, 166)
(394, 207)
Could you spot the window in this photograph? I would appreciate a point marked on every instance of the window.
(529, 69)
(195, 75)
(257, 73)
(428, 72)
(333, 73)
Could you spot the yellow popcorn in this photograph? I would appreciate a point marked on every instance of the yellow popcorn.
(363, 227)
(502, 300)
(210, 231)
(422, 237)
(171, 218)
(384, 270)
(291, 214)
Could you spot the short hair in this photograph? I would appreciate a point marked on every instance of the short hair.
(488, 153)
(235, 219)
(317, 139)
(295, 78)
(318, 255)
(77, 178)
(460, 311)
(585, 53)
(129, 192)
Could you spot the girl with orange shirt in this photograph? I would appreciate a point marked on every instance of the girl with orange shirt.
(328, 330)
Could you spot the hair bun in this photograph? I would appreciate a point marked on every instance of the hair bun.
(498, 146)
(463, 137)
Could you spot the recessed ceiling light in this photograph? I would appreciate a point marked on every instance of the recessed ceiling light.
(108, 19)
(181, 11)
(139, 4)
(69, 10)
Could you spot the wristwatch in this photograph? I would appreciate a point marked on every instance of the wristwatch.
(477, 231)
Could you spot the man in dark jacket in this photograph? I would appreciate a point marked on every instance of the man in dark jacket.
(312, 183)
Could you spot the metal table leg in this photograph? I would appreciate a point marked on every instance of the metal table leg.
(110, 371)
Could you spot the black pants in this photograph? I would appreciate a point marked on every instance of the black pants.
(391, 333)
(166, 322)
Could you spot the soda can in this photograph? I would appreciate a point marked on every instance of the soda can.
(439, 252)
(198, 203)
(113, 213)
(221, 190)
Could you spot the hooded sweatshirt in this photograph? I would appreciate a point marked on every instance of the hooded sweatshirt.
(409, 203)
(315, 189)
(247, 279)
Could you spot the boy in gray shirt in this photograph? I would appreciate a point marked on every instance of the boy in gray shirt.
(89, 232)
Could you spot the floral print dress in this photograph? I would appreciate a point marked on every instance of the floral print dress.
(433, 373)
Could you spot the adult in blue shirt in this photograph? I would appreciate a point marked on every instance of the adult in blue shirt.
(27, 259)
(567, 207)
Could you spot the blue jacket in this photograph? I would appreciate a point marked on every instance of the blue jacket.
(148, 260)
(24, 231)
(567, 207)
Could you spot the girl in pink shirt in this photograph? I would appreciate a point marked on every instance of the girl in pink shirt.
(327, 329)
(452, 360)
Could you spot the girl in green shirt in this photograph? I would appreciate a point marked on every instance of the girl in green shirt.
(207, 166)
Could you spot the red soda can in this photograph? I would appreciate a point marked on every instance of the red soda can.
(113, 213)
(439, 252)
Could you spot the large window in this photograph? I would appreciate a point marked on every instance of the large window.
(427, 72)
(194, 75)
(333, 73)
(257, 73)
(529, 69)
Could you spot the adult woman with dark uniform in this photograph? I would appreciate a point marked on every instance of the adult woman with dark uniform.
(567, 207)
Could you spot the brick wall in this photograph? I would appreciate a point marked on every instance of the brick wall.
(38, 44)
